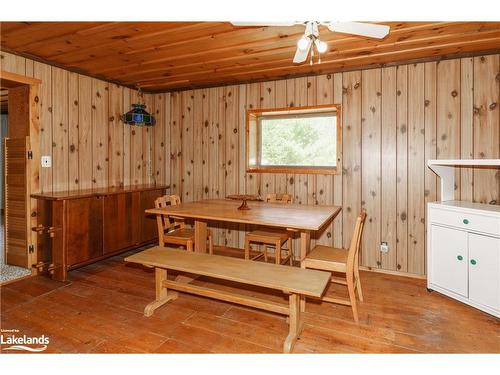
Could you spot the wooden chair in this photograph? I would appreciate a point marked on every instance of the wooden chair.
(271, 237)
(172, 230)
(342, 261)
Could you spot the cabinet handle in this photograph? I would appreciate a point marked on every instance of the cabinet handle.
(52, 232)
(459, 257)
(473, 261)
(465, 221)
(39, 229)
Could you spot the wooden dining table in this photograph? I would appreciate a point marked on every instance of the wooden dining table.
(299, 218)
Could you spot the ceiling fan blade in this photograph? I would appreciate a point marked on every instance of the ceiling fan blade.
(244, 23)
(359, 28)
(301, 55)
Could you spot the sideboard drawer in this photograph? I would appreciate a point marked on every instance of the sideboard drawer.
(465, 220)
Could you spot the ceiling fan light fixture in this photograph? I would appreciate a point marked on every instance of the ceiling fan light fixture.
(321, 46)
(303, 43)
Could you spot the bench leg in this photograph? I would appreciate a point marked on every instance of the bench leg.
(162, 294)
(295, 323)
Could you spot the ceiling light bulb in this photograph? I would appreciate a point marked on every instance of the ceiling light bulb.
(322, 46)
(303, 43)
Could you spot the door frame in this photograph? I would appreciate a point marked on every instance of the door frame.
(9, 79)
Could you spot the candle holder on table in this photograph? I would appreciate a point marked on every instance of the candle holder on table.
(245, 198)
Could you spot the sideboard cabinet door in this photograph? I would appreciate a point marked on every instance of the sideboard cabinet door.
(484, 270)
(121, 214)
(449, 259)
(83, 229)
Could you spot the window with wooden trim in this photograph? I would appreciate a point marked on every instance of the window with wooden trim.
(294, 140)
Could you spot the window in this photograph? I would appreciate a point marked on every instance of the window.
(294, 140)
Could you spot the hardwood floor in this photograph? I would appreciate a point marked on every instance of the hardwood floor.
(100, 311)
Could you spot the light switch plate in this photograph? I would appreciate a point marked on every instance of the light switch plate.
(46, 161)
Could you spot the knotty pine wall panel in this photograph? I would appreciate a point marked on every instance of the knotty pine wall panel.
(388, 162)
(80, 128)
(486, 126)
(401, 167)
(73, 131)
(371, 121)
(466, 125)
(115, 139)
(147, 145)
(416, 169)
(85, 146)
(393, 120)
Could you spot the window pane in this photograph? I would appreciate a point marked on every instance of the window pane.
(299, 141)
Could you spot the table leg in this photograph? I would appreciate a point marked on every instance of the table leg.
(305, 247)
(305, 244)
(295, 323)
(162, 294)
(200, 236)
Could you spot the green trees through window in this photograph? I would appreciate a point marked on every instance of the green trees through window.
(299, 140)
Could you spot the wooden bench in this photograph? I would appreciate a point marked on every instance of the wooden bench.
(295, 282)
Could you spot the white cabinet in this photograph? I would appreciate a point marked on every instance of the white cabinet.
(449, 264)
(484, 263)
(463, 253)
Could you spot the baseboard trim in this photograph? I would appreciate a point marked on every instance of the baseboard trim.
(7, 282)
(393, 273)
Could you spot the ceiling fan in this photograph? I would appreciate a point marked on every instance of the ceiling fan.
(311, 34)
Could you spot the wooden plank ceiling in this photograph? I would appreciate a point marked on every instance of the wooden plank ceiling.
(165, 56)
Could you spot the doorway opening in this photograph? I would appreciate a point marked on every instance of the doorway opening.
(8, 272)
(19, 119)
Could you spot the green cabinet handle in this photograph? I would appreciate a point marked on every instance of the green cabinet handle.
(459, 257)
(473, 261)
(465, 221)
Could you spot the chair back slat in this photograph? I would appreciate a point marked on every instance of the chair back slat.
(353, 254)
(166, 223)
(279, 198)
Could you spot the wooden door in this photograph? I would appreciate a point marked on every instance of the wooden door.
(149, 228)
(484, 270)
(16, 231)
(83, 229)
(448, 261)
(121, 219)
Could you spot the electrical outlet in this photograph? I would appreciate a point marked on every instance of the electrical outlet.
(46, 161)
(384, 247)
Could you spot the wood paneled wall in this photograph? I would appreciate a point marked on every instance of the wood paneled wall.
(80, 128)
(394, 120)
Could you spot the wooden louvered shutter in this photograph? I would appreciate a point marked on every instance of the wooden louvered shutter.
(16, 244)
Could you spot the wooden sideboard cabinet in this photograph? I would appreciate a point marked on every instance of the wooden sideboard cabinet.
(121, 214)
(76, 228)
